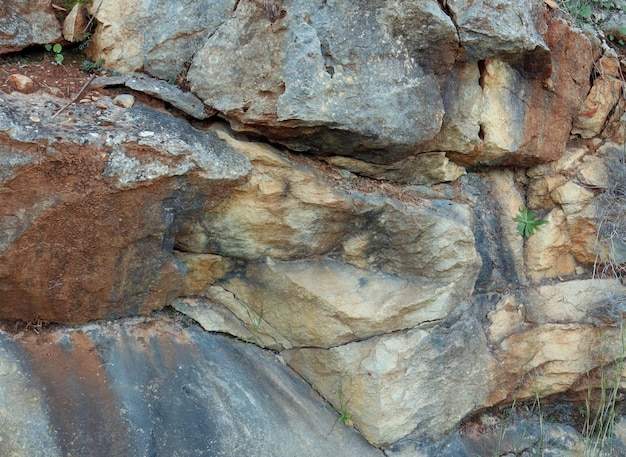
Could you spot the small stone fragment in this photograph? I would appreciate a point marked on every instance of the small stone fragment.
(76, 24)
(124, 100)
(21, 83)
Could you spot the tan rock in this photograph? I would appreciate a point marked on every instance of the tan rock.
(214, 317)
(588, 301)
(593, 172)
(421, 169)
(570, 193)
(76, 24)
(21, 83)
(203, 270)
(324, 303)
(539, 192)
(604, 95)
(551, 358)
(548, 250)
(416, 382)
(506, 318)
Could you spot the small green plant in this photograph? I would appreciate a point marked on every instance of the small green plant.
(526, 222)
(345, 417)
(57, 50)
(89, 67)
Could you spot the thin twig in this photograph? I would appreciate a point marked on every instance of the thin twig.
(80, 92)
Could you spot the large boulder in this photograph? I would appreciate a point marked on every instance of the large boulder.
(394, 261)
(92, 202)
(25, 23)
(156, 387)
(420, 382)
(301, 77)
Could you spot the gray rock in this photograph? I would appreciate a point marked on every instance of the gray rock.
(154, 387)
(26, 23)
(323, 77)
(157, 36)
(184, 101)
(500, 27)
(427, 31)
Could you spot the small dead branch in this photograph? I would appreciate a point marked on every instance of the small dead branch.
(78, 95)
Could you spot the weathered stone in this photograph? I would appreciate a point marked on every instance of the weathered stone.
(89, 216)
(76, 24)
(124, 100)
(295, 300)
(510, 27)
(496, 201)
(215, 317)
(203, 270)
(548, 359)
(21, 83)
(393, 264)
(521, 117)
(131, 37)
(548, 250)
(590, 301)
(285, 211)
(417, 382)
(301, 78)
(604, 95)
(149, 387)
(184, 101)
(26, 23)
(463, 102)
(426, 30)
(422, 169)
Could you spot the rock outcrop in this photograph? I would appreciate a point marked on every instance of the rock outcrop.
(155, 387)
(92, 202)
(347, 198)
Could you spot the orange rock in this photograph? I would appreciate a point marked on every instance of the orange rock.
(21, 83)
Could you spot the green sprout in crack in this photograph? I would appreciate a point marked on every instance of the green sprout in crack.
(526, 222)
(57, 50)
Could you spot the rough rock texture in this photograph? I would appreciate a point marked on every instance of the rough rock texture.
(392, 264)
(184, 101)
(27, 22)
(511, 30)
(307, 92)
(398, 384)
(146, 387)
(91, 204)
(130, 36)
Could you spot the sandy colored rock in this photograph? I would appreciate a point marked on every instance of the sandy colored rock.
(417, 382)
(548, 250)
(422, 169)
(76, 24)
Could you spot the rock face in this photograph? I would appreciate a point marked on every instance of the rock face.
(393, 264)
(89, 215)
(25, 23)
(385, 265)
(300, 77)
(156, 388)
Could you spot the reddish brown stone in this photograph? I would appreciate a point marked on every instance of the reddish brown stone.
(89, 215)
(553, 102)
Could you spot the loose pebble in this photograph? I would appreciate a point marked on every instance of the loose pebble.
(124, 100)
(21, 83)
